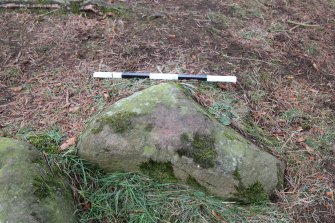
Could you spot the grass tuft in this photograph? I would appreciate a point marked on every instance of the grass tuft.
(133, 197)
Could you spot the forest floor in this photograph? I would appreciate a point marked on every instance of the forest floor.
(282, 52)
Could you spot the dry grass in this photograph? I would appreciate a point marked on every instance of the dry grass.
(282, 52)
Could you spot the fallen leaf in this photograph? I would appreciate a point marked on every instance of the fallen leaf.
(90, 8)
(317, 130)
(106, 96)
(309, 149)
(74, 109)
(316, 67)
(330, 194)
(319, 177)
(17, 89)
(312, 190)
(311, 158)
(223, 87)
(87, 206)
(110, 14)
(218, 217)
(300, 139)
(69, 142)
(299, 129)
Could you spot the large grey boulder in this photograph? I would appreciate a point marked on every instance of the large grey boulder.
(29, 192)
(163, 125)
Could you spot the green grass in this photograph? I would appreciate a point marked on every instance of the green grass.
(133, 197)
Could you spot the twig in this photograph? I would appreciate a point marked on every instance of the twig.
(249, 59)
(298, 24)
(302, 24)
(47, 13)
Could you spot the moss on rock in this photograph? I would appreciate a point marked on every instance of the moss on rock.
(149, 150)
(120, 122)
(44, 143)
(253, 194)
(161, 171)
(202, 149)
(45, 186)
(195, 184)
(30, 192)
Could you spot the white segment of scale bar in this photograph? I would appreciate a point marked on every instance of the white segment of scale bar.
(107, 74)
(213, 78)
(159, 76)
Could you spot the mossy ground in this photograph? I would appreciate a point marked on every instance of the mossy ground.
(201, 149)
(75, 7)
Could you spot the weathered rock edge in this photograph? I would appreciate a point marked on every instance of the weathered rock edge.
(29, 192)
(163, 124)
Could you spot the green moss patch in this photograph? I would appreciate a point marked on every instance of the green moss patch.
(253, 194)
(195, 184)
(202, 149)
(161, 171)
(149, 150)
(119, 122)
(75, 7)
(229, 136)
(149, 127)
(237, 175)
(48, 185)
(44, 143)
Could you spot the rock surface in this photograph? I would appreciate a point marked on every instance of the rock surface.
(163, 125)
(28, 191)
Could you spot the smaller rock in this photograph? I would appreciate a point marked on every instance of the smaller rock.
(29, 191)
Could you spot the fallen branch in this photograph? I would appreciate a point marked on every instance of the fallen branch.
(302, 24)
(298, 24)
(248, 59)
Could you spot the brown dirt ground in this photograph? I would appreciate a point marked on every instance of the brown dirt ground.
(282, 52)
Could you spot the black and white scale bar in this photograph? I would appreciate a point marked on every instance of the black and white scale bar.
(160, 76)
